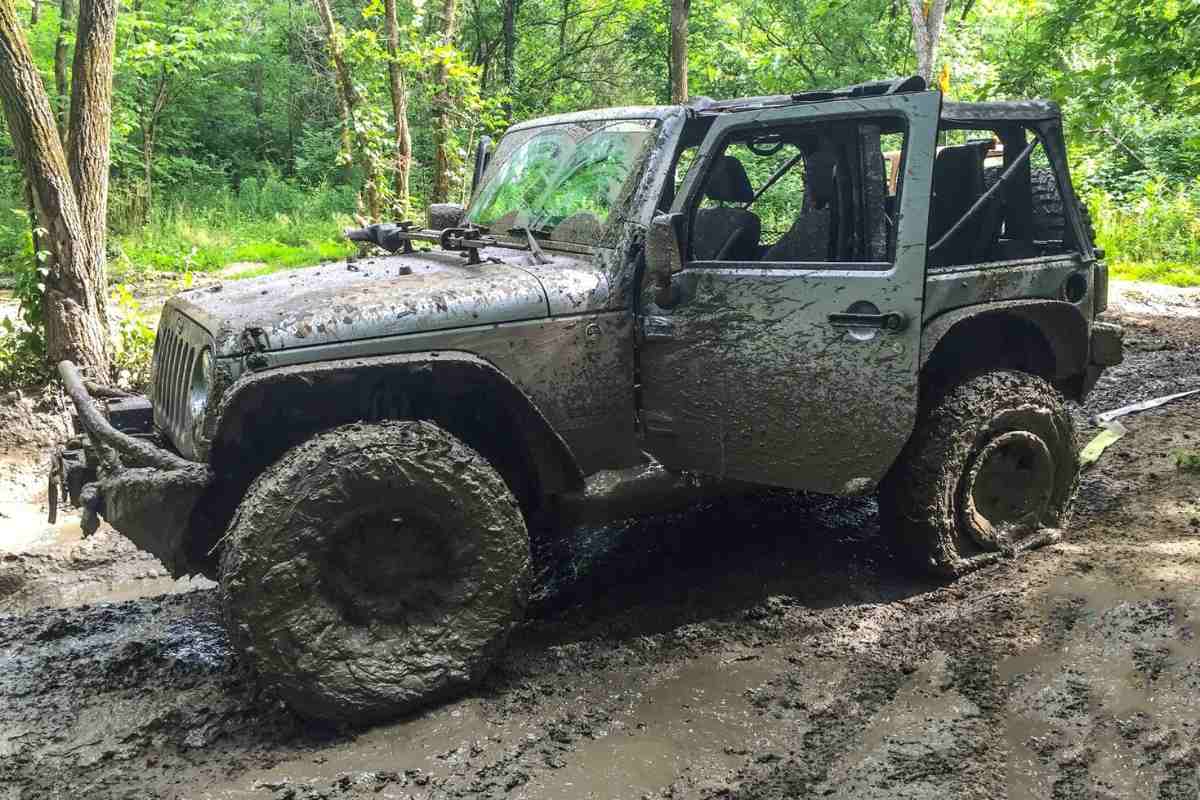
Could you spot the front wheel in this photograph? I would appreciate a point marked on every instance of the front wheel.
(991, 468)
(373, 569)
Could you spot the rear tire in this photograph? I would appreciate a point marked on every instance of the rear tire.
(991, 469)
(373, 569)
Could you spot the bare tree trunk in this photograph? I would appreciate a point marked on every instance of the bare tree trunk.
(74, 295)
(679, 60)
(34, 8)
(396, 80)
(509, 65)
(66, 25)
(148, 123)
(441, 125)
(147, 171)
(349, 102)
(927, 17)
(91, 123)
(259, 107)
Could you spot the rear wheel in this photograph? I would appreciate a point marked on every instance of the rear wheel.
(991, 469)
(374, 568)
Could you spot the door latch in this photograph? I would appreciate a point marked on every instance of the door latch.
(891, 321)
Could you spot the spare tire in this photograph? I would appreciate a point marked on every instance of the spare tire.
(1049, 215)
(373, 569)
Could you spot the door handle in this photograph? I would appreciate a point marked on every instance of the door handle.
(892, 321)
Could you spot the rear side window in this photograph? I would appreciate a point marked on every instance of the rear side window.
(1024, 217)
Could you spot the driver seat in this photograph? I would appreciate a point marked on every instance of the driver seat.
(725, 233)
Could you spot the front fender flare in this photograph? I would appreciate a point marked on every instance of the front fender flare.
(444, 372)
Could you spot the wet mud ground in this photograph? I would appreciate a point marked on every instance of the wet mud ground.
(762, 648)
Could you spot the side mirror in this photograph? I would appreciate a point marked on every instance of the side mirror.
(445, 215)
(664, 254)
(483, 156)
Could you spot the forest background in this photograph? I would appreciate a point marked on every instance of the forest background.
(247, 134)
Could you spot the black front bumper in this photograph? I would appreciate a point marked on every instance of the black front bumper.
(142, 489)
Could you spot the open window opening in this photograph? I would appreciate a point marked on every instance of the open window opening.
(995, 198)
(802, 194)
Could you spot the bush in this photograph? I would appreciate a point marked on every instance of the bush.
(1158, 224)
(131, 341)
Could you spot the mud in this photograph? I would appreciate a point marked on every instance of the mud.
(763, 648)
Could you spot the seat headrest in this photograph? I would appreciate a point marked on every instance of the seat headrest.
(728, 182)
(957, 162)
(818, 176)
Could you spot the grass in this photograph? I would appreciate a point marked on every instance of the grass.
(264, 227)
(1152, 235)
(294, 228)
(1170, 273)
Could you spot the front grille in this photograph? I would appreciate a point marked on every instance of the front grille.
(176, 349)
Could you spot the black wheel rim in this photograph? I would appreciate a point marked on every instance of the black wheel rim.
(1008, 489)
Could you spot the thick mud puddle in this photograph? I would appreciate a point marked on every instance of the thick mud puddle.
(699, 713)
(45, 565)
(23, 528)
(1129, 664)
(655, 728)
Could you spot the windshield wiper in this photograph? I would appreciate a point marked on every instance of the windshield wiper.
(534, 248)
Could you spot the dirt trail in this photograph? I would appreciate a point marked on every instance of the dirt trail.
(763, 649)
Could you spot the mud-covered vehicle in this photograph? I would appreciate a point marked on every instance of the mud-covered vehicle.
(639, 308)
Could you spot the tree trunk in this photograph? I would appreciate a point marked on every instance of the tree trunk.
(679, 59)
(511, 9)
(147, 172)
(149, 128)
(259, 107)
(396, 80)
(66, 24)
(441, 125)
(74, 296)
(90, 125)
(34, 8)
(927, 16)
(349, 102)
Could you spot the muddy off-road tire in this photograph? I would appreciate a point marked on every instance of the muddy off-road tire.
(373, 569)
(990, 469)
(1049, 215)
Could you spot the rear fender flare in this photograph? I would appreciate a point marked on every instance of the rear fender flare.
(1063, 326)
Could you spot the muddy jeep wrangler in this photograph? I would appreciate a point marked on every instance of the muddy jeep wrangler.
(640, 307)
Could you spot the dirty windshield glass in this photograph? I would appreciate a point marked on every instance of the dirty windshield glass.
(562, 180)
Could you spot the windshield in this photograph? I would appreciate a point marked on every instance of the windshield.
(562, 180)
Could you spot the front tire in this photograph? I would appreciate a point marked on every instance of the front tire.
(991, 468)
(373, 569)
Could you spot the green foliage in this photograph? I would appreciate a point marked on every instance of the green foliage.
(22, 338)
(1187, 460)
(1160, 223)
(273, 222)
(1168, 273)
(234, 100)
(131, 341)
(22, 357)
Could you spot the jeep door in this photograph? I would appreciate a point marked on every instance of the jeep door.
(789, 356)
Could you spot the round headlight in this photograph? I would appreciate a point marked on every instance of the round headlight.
(200, 384)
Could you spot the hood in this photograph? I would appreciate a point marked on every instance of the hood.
(388, 296)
